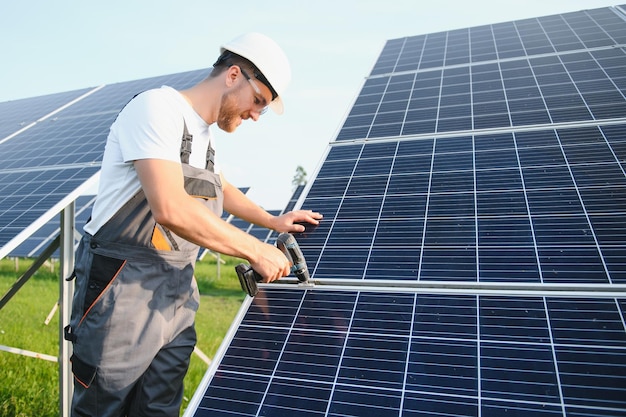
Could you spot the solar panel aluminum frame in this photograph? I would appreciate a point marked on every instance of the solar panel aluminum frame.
(569, 290)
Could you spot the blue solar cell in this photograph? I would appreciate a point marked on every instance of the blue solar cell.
(592, 376)
(371, 166)
(518, 372)
(504, 232)
(609, 229)
(563, 264)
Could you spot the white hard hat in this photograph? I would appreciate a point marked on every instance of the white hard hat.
(269, 58)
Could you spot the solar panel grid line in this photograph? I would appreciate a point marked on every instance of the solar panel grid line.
(381, 210)
(555, 361)
(476, 222)
(341, 355)
(506, 98)
(428, 195)
(480, 374)
(591, 228)
(407, 363)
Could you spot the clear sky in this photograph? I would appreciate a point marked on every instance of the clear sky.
(50, 46)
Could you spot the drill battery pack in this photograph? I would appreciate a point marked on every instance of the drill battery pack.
(248, 279)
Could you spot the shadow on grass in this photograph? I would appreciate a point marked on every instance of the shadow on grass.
(223, 292)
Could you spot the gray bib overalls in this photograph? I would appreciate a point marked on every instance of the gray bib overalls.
(132, 323)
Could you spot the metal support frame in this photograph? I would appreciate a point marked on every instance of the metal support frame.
(64, 242)
(66, 293)
(523, 289)
(19, 283)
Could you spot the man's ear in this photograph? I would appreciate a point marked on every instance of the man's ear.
(231, 75)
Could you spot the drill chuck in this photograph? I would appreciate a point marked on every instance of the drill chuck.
(288, 245)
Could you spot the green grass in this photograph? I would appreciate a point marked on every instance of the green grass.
(30, 386)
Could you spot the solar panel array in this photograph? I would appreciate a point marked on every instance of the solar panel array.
(473, 161)
(51, 146)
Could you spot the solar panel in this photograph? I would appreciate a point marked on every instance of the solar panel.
(49, 164)
(539, 193)
(471, 260)
(410, 92)
(359, 354)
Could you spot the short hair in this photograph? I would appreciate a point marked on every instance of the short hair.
(227, 59)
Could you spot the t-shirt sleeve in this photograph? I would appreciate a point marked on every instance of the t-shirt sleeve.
(149, 127)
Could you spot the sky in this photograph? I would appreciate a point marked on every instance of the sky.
(62, 45)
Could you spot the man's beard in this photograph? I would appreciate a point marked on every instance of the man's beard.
(227, 120)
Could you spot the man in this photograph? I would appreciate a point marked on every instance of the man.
(160, 198)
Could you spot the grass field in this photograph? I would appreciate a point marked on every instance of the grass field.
(29, 386)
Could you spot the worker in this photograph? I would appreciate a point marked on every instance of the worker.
(160, 199)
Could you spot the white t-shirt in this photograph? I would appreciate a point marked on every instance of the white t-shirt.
(149, 127)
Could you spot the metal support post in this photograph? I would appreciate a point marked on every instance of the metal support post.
(66, 292)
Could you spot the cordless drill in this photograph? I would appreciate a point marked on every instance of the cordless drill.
(248, 277)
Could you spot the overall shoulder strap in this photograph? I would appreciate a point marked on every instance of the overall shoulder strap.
(210, 158)
(185, 144)
(185, 150)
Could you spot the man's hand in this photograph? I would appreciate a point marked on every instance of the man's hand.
(288, 222)
(270, 262)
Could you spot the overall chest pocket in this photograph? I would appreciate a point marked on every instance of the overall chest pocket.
(201, 183)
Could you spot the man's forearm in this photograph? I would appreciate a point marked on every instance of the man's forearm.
(239, 205)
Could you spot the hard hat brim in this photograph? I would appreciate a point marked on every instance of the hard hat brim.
(277, 106)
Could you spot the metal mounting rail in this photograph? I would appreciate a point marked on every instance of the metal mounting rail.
(455, 287)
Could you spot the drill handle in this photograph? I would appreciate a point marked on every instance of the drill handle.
(287, 244)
